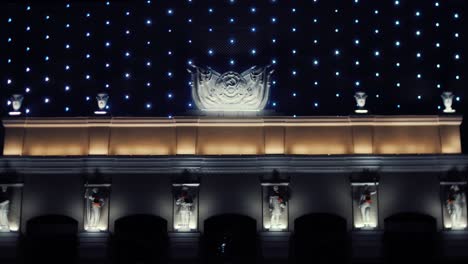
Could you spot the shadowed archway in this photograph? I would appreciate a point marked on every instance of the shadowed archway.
(230, 238)
(141, 239)
(320, 238)
(410, 238)
(51, 239)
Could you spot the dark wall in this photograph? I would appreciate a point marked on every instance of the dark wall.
(53, 194)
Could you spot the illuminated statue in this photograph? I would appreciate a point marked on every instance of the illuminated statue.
(456, 201)
(184, 201)
(94, 203)
(4, 208)
(16, 101)
(277, 203)
(360, 102)
(365, 205)
(447, 97)
(102, 99)
(230, 91)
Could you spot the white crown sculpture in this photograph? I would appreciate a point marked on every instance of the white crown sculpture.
(230, 91)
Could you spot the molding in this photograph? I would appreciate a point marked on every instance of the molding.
(232, 164)
(316, 121)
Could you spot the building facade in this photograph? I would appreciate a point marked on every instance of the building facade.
(191, 171)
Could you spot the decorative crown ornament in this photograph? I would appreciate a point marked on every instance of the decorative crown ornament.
(16, 102)
(231, 91)
(101, 99)
(361, 102)
(447, 98)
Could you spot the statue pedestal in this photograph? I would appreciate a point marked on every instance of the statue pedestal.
(275, 245)
(93, 247)
(9, 247)
(455, 245)
(184, 246)
(367, 246)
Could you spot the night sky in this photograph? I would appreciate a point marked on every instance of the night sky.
(404, 54)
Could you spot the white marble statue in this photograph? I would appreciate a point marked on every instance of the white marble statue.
(185, 205)
(277, 204)
(231, 91)
(4, 209)
(102, 99)
(365, 205)
(456, 202)
(94, 203)
(360, 102)
(16, 101)
(447, 98)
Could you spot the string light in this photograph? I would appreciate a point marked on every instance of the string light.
(146, 49)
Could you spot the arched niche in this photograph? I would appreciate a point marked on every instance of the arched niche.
(230, 238)
(410, 238)
(320, 238)
(50, 239)
(140, 238)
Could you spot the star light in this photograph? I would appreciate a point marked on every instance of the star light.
(95, 49)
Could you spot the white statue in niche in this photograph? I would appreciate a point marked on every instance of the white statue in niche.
(231, 91)
(4, 209)
(455, 203)
(277, 204)
(365, 205)
(447, 97)
(94, 203)
(361, 98)
(184, 201)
